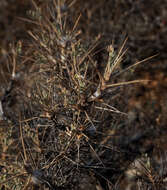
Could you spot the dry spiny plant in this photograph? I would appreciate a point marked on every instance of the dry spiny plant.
(58, 145)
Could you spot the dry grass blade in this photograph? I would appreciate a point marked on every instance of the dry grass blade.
(113, 60)
(126, 83)
(29, 21)
(96, 155)
(110, 109)
(134, 65)
(89, 51)
(76, 23)
(23, 145)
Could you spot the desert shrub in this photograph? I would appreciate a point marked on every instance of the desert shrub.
(55, 138)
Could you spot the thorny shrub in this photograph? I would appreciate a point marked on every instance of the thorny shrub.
(53, 140)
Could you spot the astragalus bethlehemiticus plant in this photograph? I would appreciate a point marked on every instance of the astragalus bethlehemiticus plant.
(68, 101)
